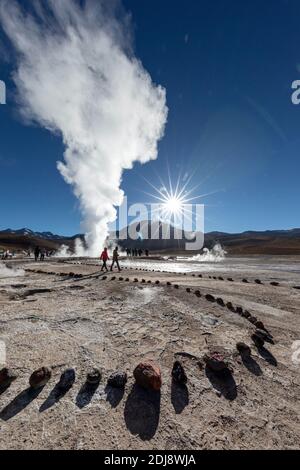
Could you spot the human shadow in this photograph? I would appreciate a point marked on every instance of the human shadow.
(251, 365)
(223, 382)
(141, 412)
(179, 396)
(19, 403)
(55, 395)
(86, 394)
(267, 356)
(114, 395)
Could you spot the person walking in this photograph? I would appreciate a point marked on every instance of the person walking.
(104, 257)
(36, 253)
(115, 259)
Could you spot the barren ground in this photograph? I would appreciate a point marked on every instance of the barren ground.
(114, 324)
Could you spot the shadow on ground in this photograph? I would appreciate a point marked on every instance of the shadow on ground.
(179, 397)
(223, 382)
(142, 411)
(19, 403)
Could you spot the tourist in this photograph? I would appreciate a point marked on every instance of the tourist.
(115, 259)
(104, 257)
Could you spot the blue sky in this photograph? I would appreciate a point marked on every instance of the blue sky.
(227, 67)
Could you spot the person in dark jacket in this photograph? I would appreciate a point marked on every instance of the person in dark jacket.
(115, 259)
(36, 253)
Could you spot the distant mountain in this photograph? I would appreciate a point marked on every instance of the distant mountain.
(273, 242)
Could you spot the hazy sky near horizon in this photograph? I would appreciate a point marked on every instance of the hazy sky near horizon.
(227, 68)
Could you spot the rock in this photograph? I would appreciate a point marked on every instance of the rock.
(199, 275)
(117, 379)
(113, 278)
(243, 349)
(273, 283)
(257, 281)
(40, 377)
(214, 277)
(176, 286)
(210, 298)
(148, 375)
(178, 373)
(220, 301)
(221, 278)
(197, 293)
(149, 282)
(93, 377)
(157, 282)
(188, 289)
(193, 275)
(143, 281)
(127, 279)
(169, 284)
(257, 340)
(259, 324)
(245, 280)
(104, 277)
(121, 278)
(252, 319)
(7, 376)
(71, 274)
(246, 314)
(230, 279)
(239, 310)
(265, 336)
(135, 280)
(230, 306)
(215, 361)
(67, 379)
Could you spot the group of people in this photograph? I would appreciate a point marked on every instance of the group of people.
(40, 253)
(136, 252)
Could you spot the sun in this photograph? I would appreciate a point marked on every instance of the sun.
(173, 205)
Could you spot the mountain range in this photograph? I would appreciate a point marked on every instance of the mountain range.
(269, 242)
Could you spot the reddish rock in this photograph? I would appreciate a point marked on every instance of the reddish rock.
(147, 374)
(40, 377)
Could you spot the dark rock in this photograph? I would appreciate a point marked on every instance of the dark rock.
(7, 376)
(197, 293)
(117, 379)
(148, 375)
(273, 283)
(210, 298)
(257, 281)
(121, 278)
(257, 340)
(230, 279)
(221, 278)
(178, 373)
(127, 279)
(215, 361)
(71, 274)
(157, 282)
(245, 280)
(252, 319)
(40, 377)
(169, 283)
(176, 286)
(188, 289)
(143, 281)
(246, 314)
(93, 376)
(220, 301)
(104, 277)
(149, 282)
(265, 336)
(230, 306)
(259, 324)
(135, 280)
(243, 349)
(67, 379)
(239, 310)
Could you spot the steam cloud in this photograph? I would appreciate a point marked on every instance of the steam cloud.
(76, 74)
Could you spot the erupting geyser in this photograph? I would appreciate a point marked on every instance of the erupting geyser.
(77, 75)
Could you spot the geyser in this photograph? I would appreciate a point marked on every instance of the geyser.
(76, 75)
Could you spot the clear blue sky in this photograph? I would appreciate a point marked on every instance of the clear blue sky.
(227, 67)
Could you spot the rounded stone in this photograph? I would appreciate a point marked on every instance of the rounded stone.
(243, 349)
(147, 374)
(117, 379)
(93, 376)
(40, 377)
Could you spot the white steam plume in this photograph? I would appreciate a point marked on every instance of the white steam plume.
(76, 75)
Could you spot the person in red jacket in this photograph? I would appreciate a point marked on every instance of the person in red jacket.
(104, 257)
